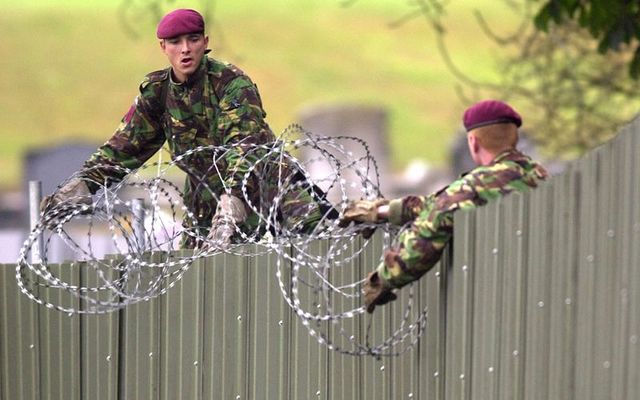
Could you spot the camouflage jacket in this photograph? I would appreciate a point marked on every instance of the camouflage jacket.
(431, 217)
(217, 105)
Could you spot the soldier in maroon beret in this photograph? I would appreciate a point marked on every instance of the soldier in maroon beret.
(196, 102)
(182, 39)
(492, 135)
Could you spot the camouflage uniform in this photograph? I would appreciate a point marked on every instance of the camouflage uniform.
(422, 244)
(218, 105)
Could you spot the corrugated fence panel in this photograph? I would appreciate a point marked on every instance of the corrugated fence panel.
(404, 369)
(61, 340)
(539, 231)
(487, 298)
(100, 348)
(377, 379)
(606, 270)
(269, 332)
(140, 345)
(632, 338)
(562, 286)
(511, 344)
(585, 299)
(226, 328)
(624, 181)
(20, 349)
(344, 370)
(310, 381)
(430, 369)
(181, 339)
(459, 318)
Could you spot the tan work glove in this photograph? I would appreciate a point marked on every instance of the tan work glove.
(61, 203)
(376, 292)
(363, 211)
(230, 212)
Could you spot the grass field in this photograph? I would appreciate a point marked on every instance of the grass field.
(70, 71)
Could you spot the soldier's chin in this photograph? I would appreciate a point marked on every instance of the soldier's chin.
(186, 72)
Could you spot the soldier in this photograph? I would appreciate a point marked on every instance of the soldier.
(197, 101)
(492, 135)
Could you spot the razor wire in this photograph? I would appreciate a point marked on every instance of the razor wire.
(317, 267)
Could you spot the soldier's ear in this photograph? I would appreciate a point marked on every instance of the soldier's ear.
(471, 141)
(474, 146)
(162, 44)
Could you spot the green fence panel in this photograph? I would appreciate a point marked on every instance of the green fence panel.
(585, 299)
(605, 276)
(429, 372)
(140, 333)
(20, 349)
(631, 339)
(512, 330)
(181, 339)
(310, 381)
(270, 330)
(377, 374)
(459, 316)
(226, 328)
(99, 335)
(61, 339)
(565, 227)
(539, 234)
(486, 299)
(620, 237)
(345, 370)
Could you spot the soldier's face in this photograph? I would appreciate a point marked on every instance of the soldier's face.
(185, 53)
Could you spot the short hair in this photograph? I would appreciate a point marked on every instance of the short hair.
(496, 138)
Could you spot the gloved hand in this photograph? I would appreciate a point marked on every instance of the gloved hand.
(64, 200)
(363, 211)
(376, 292)
(230, 212)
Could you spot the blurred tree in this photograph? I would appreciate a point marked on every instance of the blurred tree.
(614, 23)
(137, 16)
(575, 93)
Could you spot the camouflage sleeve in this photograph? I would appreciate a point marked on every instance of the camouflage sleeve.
(137, 138)
(421, 245)
(408, 208)
(241, 124)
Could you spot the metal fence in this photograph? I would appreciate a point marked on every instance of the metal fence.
(539, 298)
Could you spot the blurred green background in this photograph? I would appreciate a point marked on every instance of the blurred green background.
(70, 70)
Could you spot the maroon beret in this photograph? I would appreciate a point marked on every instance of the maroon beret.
(489, 112)
(180, 22)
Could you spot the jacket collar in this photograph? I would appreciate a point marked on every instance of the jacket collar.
(507, 155)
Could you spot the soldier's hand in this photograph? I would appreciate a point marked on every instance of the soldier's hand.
(220, 234)
(230, 212)
(64, 201)
(376, 292)
(362, 211)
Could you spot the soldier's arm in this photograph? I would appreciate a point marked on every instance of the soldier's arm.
(406, 209)
(421, 245)
(137, 138)
(241, 124)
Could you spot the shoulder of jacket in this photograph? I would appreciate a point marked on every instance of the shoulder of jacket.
(224, 72)
(155, 78)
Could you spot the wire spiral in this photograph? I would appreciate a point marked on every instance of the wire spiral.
(317, 269)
